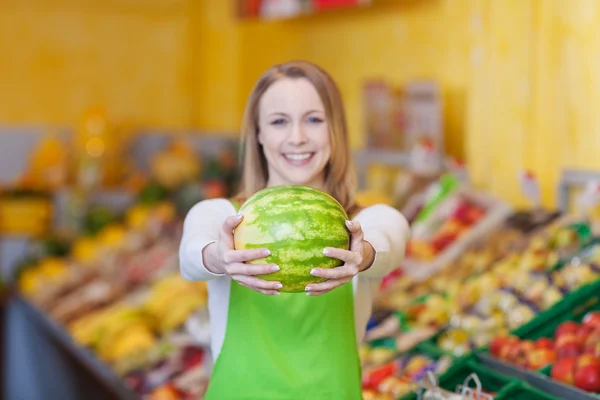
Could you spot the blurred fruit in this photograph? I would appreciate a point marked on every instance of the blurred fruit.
(564, 369)
(568, 345)
(566, 327)
(97, 219)
(112, 236)
(592, 343)
(544, 343)
(175, 165)
(152, 193)
(137, 216)
(592, 320)
(85, 250)
(539, 358)
(587, 375)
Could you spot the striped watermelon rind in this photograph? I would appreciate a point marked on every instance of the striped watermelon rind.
(296, 223)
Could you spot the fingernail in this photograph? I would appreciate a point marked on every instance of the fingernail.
(313, 272)
(239, 216)
(275, 268)
(277, 294)
(278, 286)
(326, 252)
(267, 252)
(309, 294)
(349, 223)
(308, 288)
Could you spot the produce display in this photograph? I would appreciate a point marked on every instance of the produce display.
(572, 351)
(295, 223)
(399, 376)
(475, 275)
(114, 295)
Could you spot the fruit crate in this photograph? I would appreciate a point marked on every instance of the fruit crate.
(400, 373)
(523, 391)
(496, 213)
(573, 307)
(568, 388)
(491, 381)
(583, 254)
(535, 380)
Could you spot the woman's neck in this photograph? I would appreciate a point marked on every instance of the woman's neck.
(317, 184)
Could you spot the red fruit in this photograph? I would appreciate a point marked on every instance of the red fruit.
(566, 327)
(539, 358)
(544, 343)
(592, 319)
(568, 344)
(563, 370)
(588, 378)
(507, 343)
(587, 359)
(592, 344)
(583, 332)
(192, 357)
(511, 351)
(496, 345)
(572, 349)
(372, 379)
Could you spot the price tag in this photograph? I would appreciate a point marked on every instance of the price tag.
(589, 197)
(458, 168)
(531, 188)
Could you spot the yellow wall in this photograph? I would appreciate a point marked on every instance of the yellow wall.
(396, 40)
(534, 92)
(190, 64)
(527, 67)
(58, 57)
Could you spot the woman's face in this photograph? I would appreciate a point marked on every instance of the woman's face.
(294, 134)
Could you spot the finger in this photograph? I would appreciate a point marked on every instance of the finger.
(239, 256)
(345, 271)
(226, 232)
(316, 289)
(347, 256)
(250, 269)
(356, 235)
(263, 291)
(257, 283)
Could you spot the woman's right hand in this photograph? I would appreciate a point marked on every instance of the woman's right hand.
(232, 262)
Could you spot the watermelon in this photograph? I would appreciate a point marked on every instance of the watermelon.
(296, 223)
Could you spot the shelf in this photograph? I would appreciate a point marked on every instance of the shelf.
(571, 178)
(365, 157)
(83, 357)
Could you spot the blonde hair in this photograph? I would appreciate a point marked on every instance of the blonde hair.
(340, 179)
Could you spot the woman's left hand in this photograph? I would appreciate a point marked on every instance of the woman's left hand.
(353, 262)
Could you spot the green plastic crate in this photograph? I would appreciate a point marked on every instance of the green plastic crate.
(522, 391)
(461, 369)
(572, 307)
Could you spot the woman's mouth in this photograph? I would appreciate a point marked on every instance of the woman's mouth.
(298, 159)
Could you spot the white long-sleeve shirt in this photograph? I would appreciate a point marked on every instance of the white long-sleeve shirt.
(384, 228)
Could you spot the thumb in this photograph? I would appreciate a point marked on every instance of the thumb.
(228, 227)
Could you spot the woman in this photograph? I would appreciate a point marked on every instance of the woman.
(289, 346)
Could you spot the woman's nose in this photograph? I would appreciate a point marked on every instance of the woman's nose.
(297, 136)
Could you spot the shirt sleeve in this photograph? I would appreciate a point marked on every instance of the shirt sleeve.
(200, 228)
(386, 229)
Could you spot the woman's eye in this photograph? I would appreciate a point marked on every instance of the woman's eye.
(315, 120)
(279, 121)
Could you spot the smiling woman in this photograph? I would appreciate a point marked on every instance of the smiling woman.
(268, 343)
(294, 133)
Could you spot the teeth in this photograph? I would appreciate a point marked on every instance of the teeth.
(298, 156)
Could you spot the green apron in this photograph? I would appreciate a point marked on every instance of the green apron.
(291, 347)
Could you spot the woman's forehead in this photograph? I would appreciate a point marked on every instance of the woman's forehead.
(290, 96)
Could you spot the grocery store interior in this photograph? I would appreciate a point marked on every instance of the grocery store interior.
(476, 119)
